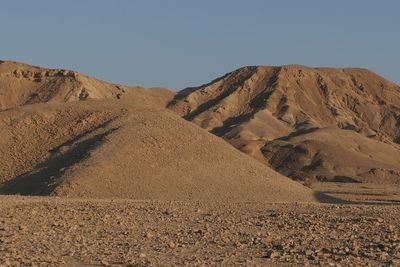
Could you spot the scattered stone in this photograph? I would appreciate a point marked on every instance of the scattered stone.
(274, 254)
(171, 244)
(139, 233)
(309, 252)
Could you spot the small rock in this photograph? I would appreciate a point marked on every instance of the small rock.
(105, 263)
(149, 235)
(268, 241)
(274, 254)
(22, 227)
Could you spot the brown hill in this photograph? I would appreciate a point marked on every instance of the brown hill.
(125, 149)
(323, 123)
(22, 84)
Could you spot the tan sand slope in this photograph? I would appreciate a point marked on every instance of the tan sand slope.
(117, 149)
(22, 84)
(266, 111)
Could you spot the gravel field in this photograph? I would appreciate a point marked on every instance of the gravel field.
(50, 231)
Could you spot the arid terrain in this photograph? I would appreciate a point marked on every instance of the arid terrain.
(319, 124)
(290, 166)
(76, 232)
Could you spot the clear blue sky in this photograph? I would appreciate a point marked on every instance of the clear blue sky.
(187, 43)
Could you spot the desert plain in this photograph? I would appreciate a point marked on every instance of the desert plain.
(264, 166)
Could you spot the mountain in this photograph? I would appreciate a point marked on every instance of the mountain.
(22, 84)
(323, 124)
(118, 146)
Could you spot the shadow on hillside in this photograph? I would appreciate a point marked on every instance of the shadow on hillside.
(323, 197)
(47, 175)
(298, 133)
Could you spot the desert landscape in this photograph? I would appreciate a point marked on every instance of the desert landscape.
(265, 166)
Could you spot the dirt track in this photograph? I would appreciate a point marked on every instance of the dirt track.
(61, 232)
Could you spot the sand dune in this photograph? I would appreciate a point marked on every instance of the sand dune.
(265, 111)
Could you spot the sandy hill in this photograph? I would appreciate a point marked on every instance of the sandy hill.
(323, 123)
(116, 148)
(22, 84)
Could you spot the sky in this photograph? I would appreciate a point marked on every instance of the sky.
(178, 44)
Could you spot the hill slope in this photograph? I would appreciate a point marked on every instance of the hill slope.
(323, 123)
(22, 84)
(122, 149)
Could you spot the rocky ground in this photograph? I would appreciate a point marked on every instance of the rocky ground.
(72, 232)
